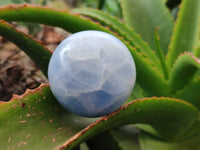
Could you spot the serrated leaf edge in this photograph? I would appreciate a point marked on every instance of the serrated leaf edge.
(26, 93)
(105, 118)
(123, 34)
(21, 32)
(186, 53)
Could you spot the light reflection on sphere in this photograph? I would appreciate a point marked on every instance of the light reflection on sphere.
(91, 73)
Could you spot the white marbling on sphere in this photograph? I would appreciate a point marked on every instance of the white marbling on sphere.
(91, 73)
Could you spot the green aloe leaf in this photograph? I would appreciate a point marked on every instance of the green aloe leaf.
(127, 137)
(170, 117)
(154, 83)
(122, 30)
(190, 93)
(185, 34)
(197, 51)
(33, 48)
(145, 16)
(36, 120)
(183, 71)
(148, 142)
(45, 15)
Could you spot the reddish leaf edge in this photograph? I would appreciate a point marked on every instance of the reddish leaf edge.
(190, 54)
(170, 58)
(196, 59)
(186, 53)
(102, 28)
(105, 118)
(134, 51)
(25, 5)
(21, 32)
(16, 97)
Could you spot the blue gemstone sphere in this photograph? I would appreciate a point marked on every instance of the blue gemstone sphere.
(91, 73)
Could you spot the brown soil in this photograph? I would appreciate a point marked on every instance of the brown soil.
(17, 71)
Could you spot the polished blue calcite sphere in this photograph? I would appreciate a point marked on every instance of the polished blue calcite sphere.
(91, 73)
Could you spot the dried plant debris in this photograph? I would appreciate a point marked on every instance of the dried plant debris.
(17, 71)
(52, 36)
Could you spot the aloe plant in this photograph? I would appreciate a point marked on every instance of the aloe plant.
(163, 109)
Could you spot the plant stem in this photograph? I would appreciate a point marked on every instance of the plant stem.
(101, 4)
(160, 55)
